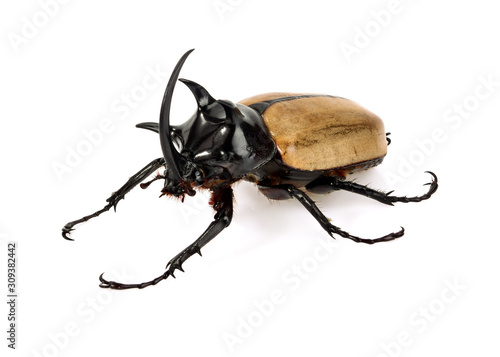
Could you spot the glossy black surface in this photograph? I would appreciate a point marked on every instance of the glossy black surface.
(222, 141)
(239, 143)
(174, 183)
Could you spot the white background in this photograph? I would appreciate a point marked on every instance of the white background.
(420, 65)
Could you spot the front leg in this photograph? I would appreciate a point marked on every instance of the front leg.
(222, 201)
(118, 195)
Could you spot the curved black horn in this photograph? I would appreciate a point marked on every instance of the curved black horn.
(210, 107)
(169, 152)
(149, 126)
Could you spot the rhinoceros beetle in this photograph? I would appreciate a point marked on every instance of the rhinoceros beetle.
(285, 143)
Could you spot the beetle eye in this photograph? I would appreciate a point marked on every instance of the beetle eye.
(198, 177)
(224, 156)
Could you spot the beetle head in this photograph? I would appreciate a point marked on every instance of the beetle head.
(219, 144)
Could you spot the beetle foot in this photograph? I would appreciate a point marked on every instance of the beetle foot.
(174, 264)
(111, 284)
(433, 186)
(120, 286)
(388, 237)
(67, 230)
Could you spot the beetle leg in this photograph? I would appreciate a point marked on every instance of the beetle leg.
(309, 204)
(324, 183)
(118, 195)
(222, 201)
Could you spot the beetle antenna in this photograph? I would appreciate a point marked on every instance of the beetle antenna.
(145, 185)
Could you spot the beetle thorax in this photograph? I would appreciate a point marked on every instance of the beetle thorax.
(223, 149)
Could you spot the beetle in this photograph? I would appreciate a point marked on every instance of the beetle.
(286, 143)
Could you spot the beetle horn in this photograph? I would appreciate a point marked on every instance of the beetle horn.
(210, 107)
(149, 126)
(169, 152)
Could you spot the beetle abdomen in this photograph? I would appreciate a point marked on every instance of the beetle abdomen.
(321, 132)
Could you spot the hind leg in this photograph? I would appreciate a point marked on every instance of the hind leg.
(290, 191)
(326, 184)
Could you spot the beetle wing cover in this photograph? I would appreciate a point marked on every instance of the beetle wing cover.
(322, 132)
